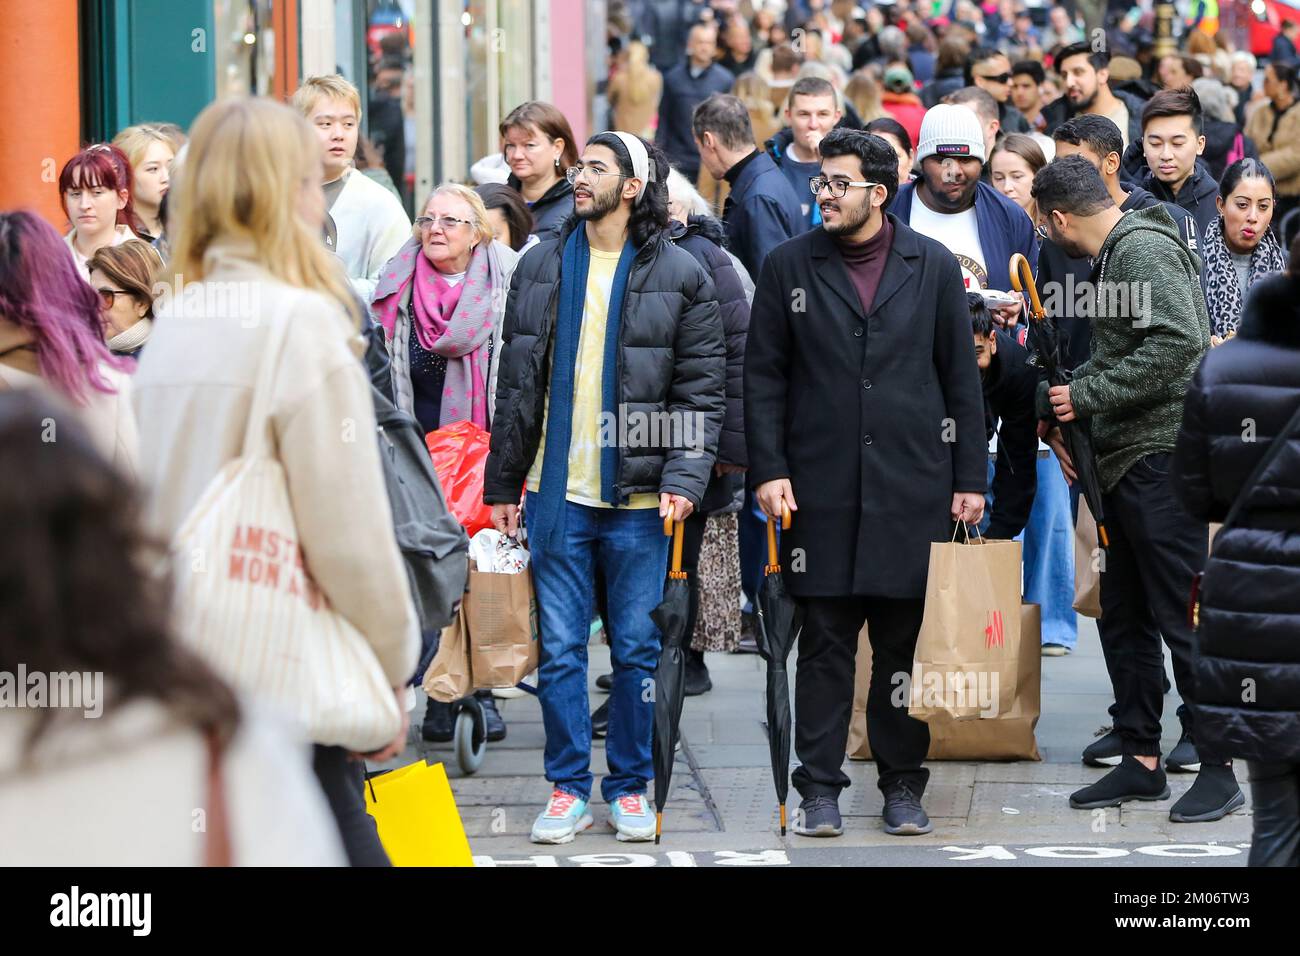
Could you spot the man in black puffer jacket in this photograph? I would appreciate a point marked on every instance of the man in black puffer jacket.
(1247, 656)
(609, 403)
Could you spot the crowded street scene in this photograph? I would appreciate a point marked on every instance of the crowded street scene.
(517, 434)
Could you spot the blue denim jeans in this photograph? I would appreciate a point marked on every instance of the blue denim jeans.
(752, 539)
(1049, 555)
(631, 550)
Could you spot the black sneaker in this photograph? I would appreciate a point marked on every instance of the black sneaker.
(1184, 757)
(1213, 795)
(605, 682)
(748, 643)
(1129, 781)
(1105, 751)
(438, 727)
(496, 725)
(697, 674)
(904, 815)
(818, 817)
(600, 720)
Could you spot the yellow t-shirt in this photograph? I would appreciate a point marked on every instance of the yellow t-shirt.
(584, 438)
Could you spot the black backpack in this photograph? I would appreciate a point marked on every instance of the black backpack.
(433, 544)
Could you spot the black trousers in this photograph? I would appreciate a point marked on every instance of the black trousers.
(692, 542)
(823, 698)
(1156, 549)
(1275, 803)
(343, 781)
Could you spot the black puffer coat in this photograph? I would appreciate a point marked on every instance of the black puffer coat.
(671, 357)
(704, 237)
(1247, 663)
(549, 211)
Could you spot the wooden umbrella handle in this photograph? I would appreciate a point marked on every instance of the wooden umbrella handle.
(674, 528)
(772, 565)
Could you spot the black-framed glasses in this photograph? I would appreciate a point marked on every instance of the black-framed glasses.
(574, 173)
(448, 223)
(838, 187)
(108, 297)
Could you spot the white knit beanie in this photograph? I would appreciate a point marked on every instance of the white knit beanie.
(950, 130)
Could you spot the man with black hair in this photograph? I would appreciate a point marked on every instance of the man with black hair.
(1172, 142)
(990, 70)
(611, 334)
(1026, 92)
(1097, 140)
(863, 417)
(1009, 384)
(1150, 331)
(1086, 75)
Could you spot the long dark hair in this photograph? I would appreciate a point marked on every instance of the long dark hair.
(76, 594)
(649, 217)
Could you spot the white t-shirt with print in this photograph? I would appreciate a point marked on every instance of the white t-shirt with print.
(960, 233)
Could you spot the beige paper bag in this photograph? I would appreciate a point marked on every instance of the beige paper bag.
(501, 618)
(1009, 736)
(448, 677)
(1087, 575)
(967, 654)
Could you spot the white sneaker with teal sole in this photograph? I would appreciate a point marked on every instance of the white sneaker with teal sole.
(631, 816)
(565, 816)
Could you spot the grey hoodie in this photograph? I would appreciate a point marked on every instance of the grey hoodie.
(1150, 329)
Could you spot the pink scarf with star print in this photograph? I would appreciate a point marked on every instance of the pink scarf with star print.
(452, 321)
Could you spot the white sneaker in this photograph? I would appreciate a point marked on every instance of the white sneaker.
(565, 816)
(630, 815)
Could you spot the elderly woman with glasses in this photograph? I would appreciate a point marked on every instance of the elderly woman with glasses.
(440, 301)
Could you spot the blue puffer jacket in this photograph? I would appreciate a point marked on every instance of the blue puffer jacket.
(1004, 229)
(1247, 662)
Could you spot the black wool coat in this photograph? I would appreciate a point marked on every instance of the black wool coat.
(876, 419)
(1249, 635)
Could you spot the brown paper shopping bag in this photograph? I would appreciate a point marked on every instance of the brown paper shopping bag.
(968, 650)
(448, 677)
(1008, 736)
(1087, 563)
(501, 617)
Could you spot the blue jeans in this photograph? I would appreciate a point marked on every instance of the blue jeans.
(631, 550)
(1049, 555)
(752, 538)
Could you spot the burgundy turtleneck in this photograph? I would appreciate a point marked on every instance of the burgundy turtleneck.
(866, 262)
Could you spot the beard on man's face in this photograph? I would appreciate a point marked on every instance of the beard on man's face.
(851, 218)
(602, 202)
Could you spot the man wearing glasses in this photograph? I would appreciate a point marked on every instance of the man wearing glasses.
(610, 400)
(990, 70)
(864, 417)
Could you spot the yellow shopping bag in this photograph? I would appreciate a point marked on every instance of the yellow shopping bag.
(418, 822)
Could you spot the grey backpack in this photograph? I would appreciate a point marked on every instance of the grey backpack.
(433, 544)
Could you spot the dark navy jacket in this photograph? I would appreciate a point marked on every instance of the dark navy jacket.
(681, 94)
(761, 211)
(1004, 228)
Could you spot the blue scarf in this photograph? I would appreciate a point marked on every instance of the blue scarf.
(546, 522)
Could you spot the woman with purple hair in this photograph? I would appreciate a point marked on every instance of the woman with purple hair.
(51, 336)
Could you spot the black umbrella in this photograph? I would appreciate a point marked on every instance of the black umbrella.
(670, 675)
(1046, 346)
(779, 620)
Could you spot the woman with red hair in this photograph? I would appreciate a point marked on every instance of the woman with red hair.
(96, 189)
(52, 337)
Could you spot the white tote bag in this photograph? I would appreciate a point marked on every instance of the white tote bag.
(245, 600)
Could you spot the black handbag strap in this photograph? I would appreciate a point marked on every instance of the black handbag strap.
(1275, 449)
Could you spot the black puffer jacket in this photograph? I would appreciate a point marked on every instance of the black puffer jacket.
(1248, 645)
(704, 237)
(550, 211)
(671, 357)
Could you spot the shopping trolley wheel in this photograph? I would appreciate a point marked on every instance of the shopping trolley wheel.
(470, 735)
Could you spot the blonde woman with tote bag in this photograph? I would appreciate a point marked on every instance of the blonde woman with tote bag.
(260, 458)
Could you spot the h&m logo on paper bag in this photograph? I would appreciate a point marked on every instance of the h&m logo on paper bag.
(993, 633)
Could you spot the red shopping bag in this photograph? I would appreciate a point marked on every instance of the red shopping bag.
(459, 452)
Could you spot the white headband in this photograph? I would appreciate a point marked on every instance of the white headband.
(640, 160)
